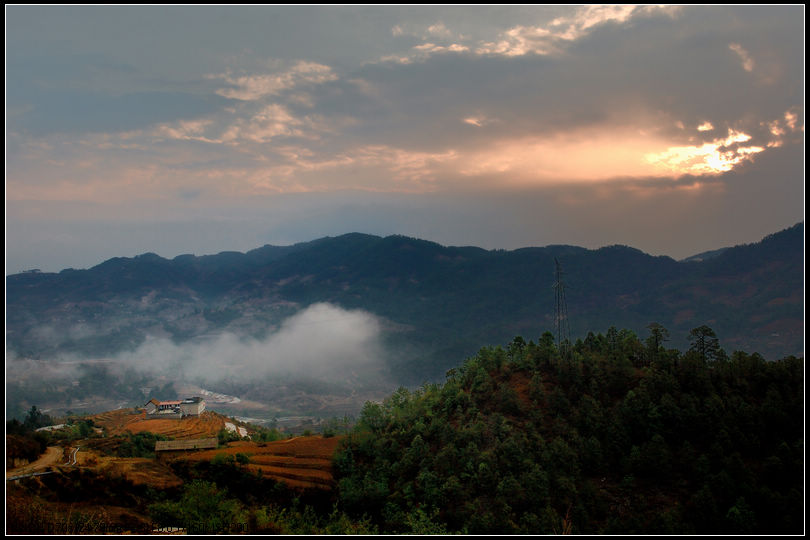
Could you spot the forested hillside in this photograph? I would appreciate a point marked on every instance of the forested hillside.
(435, 301)
(616, 436)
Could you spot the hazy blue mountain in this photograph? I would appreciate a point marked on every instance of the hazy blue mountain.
(439, 303)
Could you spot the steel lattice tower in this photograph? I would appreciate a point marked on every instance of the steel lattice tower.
(561, 312)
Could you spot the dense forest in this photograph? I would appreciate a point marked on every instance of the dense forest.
(610, 435)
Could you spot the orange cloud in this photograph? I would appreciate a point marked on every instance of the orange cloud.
(717, 156)
(745, 58)
(605, 153)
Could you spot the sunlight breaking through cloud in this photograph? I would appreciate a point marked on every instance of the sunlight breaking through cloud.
(717, 156)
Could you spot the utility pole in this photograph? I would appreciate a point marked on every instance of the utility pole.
(561, 313)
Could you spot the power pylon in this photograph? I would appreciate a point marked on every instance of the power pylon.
(561, 313)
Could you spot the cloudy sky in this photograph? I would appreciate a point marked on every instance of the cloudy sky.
(198, 129)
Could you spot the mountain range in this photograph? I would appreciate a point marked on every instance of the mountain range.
(438, 304)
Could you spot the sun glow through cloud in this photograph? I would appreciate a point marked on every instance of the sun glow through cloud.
(603, 155)
(717, 156)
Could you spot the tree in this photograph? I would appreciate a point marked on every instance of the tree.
(516, 348)
(203, 509)
(704, 342)
(36, 419)
(613, 341)
(658, 335)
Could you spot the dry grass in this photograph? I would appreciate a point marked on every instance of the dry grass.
(139, 471)
(29, 514)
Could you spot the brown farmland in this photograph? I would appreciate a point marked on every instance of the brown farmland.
(301, 462)
(208, 424)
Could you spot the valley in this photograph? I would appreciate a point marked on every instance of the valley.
(318, 328)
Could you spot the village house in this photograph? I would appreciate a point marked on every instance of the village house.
(168, 449)
(193, 406)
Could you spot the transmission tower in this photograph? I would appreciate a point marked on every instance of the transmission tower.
(561, 312)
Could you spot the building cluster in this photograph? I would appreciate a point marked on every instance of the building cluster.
(179, 408)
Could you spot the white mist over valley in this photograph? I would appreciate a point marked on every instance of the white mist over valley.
(322, 346)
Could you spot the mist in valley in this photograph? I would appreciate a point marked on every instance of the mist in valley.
(323, 359)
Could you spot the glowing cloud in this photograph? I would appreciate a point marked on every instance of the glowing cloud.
(747, 61)
(300, 170)
(705, 126)
(590, 155)
(792, 120)
(432, 48)
(522, 40)
(543, 40)
(717, 156)
(271, 121)
(603, 154)
(478, 120)
(439, 29)
(253, 87)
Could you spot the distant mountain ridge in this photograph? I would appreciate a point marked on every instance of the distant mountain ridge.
(704, 255)
(440, 302)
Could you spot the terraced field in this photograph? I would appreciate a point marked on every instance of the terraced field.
(301, 463)
(208, 424)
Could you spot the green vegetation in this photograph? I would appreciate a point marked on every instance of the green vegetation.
(263, 434)
(140, 444)
(22, 439)
(249, 503)
(337, 426)
(203, 509)
(622, 437)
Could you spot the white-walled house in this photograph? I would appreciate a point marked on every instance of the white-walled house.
(193, 406)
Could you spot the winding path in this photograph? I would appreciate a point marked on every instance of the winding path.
(51, 457)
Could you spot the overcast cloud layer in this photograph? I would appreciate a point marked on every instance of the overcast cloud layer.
(197, 129)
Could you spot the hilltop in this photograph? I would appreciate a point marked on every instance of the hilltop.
(612, 435)
(615, 437)
(434, 300)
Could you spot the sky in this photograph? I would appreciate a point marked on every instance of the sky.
(200, 129)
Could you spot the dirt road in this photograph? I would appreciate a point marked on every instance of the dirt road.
(52, 456)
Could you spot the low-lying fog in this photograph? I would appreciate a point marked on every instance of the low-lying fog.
(320, 347)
